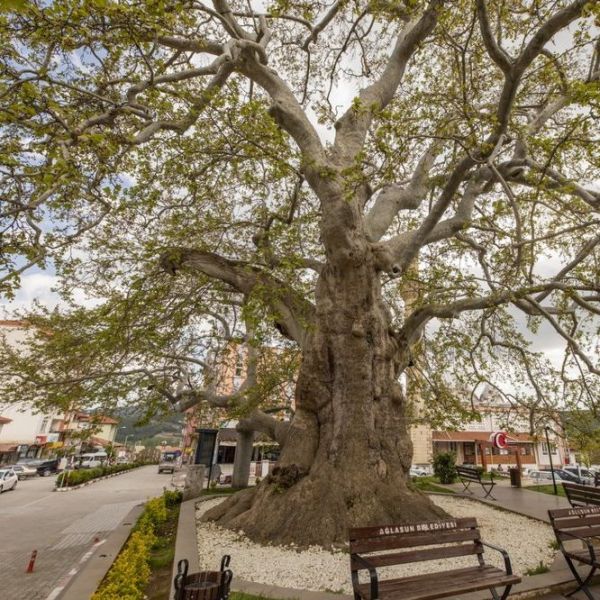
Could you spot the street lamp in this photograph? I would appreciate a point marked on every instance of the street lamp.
(550, 456)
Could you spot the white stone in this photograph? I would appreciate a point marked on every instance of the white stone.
(527, 541)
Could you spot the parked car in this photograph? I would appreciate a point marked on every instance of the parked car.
(568, 476)
(543, 476)
(418, 472)
(584, 474)
(8, 480)
(45, 468)
(24, 471)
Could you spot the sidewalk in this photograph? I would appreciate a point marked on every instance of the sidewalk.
(520, 500)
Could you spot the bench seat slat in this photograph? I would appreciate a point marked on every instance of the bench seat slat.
(410, 556)
(441, 584)
(582, 531)
(410, 541)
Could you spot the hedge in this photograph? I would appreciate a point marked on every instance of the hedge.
(130, 573)
(82, 475)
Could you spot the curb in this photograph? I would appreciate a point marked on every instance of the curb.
(87, 578)
(76, 487)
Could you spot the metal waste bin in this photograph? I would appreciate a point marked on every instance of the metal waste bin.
(515, 477)
(205, 585)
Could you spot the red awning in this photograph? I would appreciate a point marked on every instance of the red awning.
(4, 420)
(479, 436)
(8, 448)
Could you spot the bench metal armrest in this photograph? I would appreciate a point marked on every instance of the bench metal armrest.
(587, 543)
(372, 575)
(504, 553)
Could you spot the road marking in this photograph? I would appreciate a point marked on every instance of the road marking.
(65, 581)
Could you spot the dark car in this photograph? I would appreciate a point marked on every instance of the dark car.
(47, 467)
(568, 476)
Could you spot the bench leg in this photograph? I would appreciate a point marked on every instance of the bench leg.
(582, 583)
(466, 486)
(504, 595)
(488, 493)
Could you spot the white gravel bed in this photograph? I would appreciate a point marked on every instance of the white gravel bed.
(527, 541)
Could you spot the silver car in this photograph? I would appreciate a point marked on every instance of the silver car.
(24, 471)
(8, 480)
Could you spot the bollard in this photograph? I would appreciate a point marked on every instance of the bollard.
(31, 562)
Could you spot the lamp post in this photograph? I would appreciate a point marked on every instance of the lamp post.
(550, 456)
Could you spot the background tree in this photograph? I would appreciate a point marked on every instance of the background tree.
(310, 161)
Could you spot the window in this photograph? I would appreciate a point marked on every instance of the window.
(225, 455)
(44, 425)
(239, 365)
(545, 448)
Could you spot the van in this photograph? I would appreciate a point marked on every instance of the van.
(91, 460)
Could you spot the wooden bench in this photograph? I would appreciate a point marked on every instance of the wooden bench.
(421, 542)
(468, 475)
(581, 495)
(578, 524)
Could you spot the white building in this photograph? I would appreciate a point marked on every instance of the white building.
(29, 433)
(24, 431)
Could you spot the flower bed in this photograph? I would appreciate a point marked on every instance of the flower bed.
(528, 542)
(73, 478)
(131, 571)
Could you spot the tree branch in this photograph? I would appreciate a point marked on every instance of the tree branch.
(353, 126)
(292, 314)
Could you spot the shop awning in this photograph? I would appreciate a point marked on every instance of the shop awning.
(4, 420)
(479, 436)
(8, 447)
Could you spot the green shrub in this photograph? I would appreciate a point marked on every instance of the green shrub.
(172, 498)
(80, 476)
(444, 466)
(131, 571)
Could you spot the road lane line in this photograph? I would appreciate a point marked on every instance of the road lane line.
(65, 581)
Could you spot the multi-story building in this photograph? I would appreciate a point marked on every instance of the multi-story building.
(26, 432)
(472, 439)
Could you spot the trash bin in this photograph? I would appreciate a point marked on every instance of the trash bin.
(205, 585)
(515, 477)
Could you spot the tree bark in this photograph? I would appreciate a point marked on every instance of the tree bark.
(347, 453)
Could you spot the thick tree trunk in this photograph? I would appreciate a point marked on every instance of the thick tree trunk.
(346, 459)
(243, 459)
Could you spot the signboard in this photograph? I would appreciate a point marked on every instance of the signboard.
(41, 439)
(207, 438)
(498, 439)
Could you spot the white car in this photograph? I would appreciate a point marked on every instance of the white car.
(418, 472)
(8, 480)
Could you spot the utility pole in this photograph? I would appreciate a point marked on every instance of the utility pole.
(550, 456)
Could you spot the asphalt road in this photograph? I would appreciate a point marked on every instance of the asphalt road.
(62, 527)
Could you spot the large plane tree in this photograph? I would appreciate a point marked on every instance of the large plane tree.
(344, 174)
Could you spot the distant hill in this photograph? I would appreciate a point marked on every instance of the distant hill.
(166, 427)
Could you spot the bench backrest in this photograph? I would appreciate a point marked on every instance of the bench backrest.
(583, 521)
(469, 473)
(460, 538)
(582, 495)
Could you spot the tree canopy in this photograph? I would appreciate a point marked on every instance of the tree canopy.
(191, 169)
